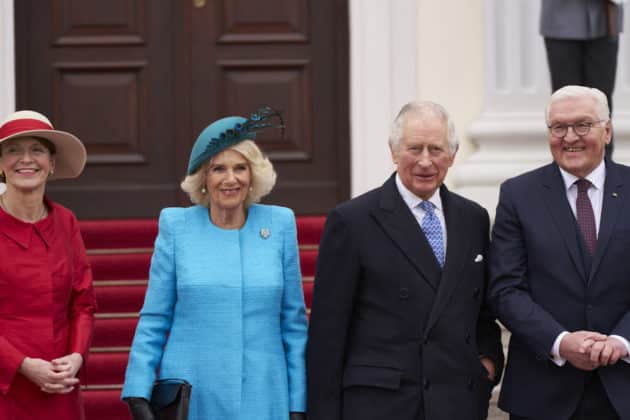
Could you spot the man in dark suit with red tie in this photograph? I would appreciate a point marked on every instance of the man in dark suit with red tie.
(560, 272)
(398, 329)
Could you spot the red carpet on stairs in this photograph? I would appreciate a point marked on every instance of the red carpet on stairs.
(120, 255)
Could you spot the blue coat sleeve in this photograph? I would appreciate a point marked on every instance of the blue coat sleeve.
(293, 315)
(156, 314)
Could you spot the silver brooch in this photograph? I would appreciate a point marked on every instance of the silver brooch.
(264, 233)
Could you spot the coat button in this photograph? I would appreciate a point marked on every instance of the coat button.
(426, 383)
(471, 384)
(404, 293)
(476, 293)
(467, 338)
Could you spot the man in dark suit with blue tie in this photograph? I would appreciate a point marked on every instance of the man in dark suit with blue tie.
(560, 272)
(398, 328)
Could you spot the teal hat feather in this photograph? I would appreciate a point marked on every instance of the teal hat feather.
(228, 131)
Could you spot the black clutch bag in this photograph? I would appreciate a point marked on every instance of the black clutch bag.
(170, 399)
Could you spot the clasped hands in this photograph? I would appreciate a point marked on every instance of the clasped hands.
(55, 377)
(588, 350)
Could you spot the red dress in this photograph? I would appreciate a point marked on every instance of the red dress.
(47, 309)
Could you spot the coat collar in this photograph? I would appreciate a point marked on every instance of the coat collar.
(558, 206)
(459, 233)
(22, 232)
(560, 210)
(612, 203)
(400, 225)
(413, 200)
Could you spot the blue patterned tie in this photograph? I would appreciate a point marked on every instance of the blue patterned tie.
(433, 231)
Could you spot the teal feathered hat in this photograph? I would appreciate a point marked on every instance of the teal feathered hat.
(228, 131)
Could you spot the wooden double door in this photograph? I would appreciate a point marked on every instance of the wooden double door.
(137, 80)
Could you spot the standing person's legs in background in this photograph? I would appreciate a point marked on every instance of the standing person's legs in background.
(600, 71)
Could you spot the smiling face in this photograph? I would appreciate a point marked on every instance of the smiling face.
(227, 180)
(26, 163)
(578, 155)
(423, 155)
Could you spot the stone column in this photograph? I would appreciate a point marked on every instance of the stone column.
(7, 59)
(383, 66)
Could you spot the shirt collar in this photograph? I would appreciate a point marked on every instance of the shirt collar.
(596, 178)
(413, 200)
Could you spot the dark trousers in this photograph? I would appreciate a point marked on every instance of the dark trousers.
(591, 63)
(594, 404)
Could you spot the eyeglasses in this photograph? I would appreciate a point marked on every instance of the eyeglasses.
(579, 128)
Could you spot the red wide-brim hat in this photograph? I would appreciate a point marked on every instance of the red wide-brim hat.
(70, 154)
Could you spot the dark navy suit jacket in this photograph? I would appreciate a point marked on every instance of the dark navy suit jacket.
(391, 336)
(542, 283)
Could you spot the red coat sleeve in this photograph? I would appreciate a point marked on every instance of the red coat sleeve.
(82, 301)
(10, 360)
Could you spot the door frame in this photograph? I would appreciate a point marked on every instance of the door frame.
(7, 58)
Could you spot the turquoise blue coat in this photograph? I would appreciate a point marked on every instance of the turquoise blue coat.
(224, 310)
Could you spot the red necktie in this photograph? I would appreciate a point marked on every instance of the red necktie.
(585, 216)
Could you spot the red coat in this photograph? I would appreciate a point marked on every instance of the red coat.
(46, 309)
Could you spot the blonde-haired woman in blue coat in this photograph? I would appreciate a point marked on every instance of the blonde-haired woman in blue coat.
(224, 308)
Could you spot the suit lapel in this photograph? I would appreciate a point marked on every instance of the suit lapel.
(612, 202)
(555, 197)
(401, 226)
(457, 248)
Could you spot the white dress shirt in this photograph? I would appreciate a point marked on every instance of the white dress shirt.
(596, 195)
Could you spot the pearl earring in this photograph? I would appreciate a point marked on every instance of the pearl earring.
(204, 190)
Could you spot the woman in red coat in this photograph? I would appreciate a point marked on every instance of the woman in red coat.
(46, 296)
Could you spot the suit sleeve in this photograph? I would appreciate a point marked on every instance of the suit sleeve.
(488, 331)
(335, 285)
(509, 292)
(293, 317)
(156, 315)
(622, 328)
